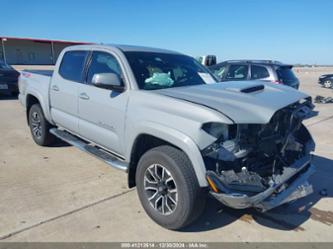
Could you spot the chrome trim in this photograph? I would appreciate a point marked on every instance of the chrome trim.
(99, 153)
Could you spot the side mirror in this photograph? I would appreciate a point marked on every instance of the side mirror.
(108, 81)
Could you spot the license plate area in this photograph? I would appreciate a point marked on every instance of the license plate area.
(3, 86)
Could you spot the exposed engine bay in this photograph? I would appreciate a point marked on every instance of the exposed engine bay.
(249, 165)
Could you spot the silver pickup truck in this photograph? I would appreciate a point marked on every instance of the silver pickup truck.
(163, 118)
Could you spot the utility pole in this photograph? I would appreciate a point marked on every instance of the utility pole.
(52, 52)
(3, 49)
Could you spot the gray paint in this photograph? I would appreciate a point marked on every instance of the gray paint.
(227, 98)
(115, 120)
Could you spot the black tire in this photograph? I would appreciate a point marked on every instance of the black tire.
(36, 118)
(191, 197)
(327, 84)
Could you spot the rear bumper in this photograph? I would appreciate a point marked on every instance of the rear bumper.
(291, 185)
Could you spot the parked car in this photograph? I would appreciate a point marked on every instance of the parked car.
(8, 79)
(265, 70)
(161, 117)
(326, 80)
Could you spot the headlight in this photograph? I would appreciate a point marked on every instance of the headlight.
(220, 131)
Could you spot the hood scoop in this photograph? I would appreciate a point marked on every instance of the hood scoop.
(248, 89)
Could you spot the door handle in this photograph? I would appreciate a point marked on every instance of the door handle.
(55, 88)
(84, 96)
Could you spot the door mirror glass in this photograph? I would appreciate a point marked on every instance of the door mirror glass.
(107, 81)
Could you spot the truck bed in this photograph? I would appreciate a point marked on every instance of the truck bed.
(36, 83)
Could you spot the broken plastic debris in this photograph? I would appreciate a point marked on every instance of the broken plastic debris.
(323, 100)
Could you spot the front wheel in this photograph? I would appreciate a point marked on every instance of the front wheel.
(168, 188)
(39, 126)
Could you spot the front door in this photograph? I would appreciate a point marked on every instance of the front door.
(102, 111)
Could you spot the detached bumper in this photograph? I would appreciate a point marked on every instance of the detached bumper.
(291, 185)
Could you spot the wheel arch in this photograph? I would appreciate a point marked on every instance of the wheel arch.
(30, 101)
(155, 135)
(34, 97)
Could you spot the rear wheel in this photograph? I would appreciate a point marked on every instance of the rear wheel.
(168, 188)
(327, 84)
(39, 126)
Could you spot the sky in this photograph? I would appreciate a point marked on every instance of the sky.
(292, 31)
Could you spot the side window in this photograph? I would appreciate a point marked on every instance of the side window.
(259, 72)
(219, 71)
(102, 62)
(237, 72)
(72, 65)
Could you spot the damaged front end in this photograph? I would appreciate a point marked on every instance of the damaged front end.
(261, 165)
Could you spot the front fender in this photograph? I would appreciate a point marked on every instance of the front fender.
(174, 137)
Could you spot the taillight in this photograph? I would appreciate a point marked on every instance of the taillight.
(25, 74)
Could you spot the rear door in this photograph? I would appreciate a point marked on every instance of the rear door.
(64, 89)
(102, 111)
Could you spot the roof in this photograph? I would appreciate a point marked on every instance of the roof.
(267, 62)
(130, 48)
(123, 48)
(42, 40)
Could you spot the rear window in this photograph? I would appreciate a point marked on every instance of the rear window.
(259, 72)
(285, 74)
(72, 65)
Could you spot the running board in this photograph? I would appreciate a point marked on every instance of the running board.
(101, 154)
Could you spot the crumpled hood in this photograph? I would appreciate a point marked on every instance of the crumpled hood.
(241, 101)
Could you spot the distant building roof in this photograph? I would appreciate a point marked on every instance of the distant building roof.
(42, 40)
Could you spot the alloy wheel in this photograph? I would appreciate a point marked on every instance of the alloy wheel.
(161, 189)
(36, 125)
(327, 83)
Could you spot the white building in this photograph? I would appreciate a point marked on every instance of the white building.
(29, 51)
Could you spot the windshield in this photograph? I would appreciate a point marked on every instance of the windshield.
(4, 65)
(161, 70)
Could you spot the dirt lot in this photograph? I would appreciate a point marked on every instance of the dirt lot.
(61, 194)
